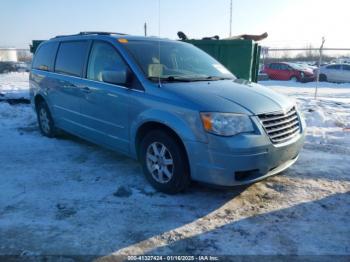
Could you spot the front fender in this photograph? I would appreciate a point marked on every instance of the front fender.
(186, 125)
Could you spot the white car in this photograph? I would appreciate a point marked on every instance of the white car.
(335, 73)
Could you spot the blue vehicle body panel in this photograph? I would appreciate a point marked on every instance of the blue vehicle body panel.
(111, 115)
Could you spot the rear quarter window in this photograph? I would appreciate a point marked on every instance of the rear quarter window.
(45, 56)
(71, 58)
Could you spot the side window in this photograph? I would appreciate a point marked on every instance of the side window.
(334, 67)
(103, 59)
(273, 66)
(71, 57)
(346, 67)
(45, 56)
(283, 67)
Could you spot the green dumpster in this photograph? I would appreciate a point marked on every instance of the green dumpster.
(241, 57)
(34, 46)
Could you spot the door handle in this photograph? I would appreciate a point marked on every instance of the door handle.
(65, 85)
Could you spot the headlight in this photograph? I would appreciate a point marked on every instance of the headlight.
(226, 124)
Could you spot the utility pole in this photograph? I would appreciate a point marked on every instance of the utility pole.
(319, 67)
(230, 18)
(145, 28)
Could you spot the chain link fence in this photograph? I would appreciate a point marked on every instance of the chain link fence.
(305, 64)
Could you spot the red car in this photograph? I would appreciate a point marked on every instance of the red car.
(289, 71)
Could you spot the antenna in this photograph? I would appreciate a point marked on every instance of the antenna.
(230, 18)
(159, 82)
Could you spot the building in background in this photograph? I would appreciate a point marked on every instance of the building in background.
(8, 55)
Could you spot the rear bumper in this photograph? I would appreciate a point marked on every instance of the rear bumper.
(258, 159)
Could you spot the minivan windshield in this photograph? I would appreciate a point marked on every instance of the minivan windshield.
(175, 61)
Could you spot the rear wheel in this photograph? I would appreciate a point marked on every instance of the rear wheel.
(45, 121)
(294, 79)
(164, 162)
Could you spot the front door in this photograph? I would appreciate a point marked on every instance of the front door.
(104, 109)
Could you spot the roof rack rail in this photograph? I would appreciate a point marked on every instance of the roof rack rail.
(91, 33)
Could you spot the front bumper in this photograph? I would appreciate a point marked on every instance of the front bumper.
(306, 79)
(242, 159)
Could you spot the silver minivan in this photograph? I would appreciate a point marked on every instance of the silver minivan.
(168, 104)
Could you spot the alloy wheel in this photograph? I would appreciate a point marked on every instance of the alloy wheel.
(44, 121)
(160, 162)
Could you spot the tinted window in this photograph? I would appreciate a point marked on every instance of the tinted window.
(346, 67)
(103, 58)
(45, 56)
(283, 67)
(71, 57)
(336, 67)
(274, 66)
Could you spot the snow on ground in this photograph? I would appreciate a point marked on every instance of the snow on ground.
(14, 85)
(65, 196)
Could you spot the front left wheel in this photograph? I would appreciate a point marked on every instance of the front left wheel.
(45, 121)
(164, 162)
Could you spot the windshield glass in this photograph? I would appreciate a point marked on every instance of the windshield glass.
(178, 61)
(298, 66)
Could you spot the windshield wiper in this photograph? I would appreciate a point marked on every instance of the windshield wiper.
(189, 79)
(169, 79)
(216, 78)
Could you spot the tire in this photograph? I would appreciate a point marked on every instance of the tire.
(294, 79)
(323, 78)
(45, 121)
(162, 153)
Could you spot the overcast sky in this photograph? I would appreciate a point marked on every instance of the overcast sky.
(290, 23)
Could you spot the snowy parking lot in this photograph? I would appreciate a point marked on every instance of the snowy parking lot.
(65, 196)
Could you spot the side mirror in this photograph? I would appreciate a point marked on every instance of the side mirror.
(118, 77)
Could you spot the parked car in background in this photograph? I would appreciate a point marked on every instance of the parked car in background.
(306, 66)
(289, 71)
(339, 73)
(22, 67)
(166, 103)
(6, 67)
(342, 60)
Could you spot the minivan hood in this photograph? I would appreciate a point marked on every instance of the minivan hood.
(231, 96)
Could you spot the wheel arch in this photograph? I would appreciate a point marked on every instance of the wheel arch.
(323, 77)
(146, 127)
(38, 99)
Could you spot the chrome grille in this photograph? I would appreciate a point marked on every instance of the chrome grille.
(281, 127)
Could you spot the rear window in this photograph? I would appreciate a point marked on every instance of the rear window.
(71, 57)
(45, 56)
